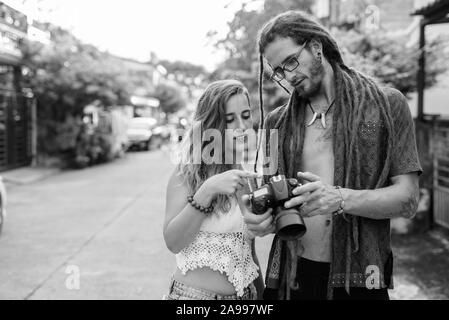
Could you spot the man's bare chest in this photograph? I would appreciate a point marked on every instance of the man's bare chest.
(318, 141)
(318, 153)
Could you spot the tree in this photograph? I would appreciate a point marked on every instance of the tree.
(386, 58)
(390, 60)
(170, 97)
(240, 42)
(241, 50)
(188, 75)
(65, 76)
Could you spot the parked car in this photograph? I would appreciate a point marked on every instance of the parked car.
(161, 135)
(140, 132)
(2, 204)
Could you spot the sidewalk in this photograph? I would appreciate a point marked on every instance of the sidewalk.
(26, 175)
(421, 266)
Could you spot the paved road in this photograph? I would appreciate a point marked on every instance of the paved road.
(104, 222)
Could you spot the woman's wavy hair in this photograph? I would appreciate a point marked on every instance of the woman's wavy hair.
(210, 114)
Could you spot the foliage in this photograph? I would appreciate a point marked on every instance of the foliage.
(241, 51)
(170, 97)
(240, 42)
(388, 59)
(65, 76)
(185, 72)
(190, 79)
(92, 147)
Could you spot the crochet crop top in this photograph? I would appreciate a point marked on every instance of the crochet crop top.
(222, 244)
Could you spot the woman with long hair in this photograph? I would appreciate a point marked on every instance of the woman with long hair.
(204, 224)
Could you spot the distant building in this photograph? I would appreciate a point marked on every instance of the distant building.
(387, 15)
(36, 33)
(143, 100)
(16, 106)
(392, 17)
(13, 29)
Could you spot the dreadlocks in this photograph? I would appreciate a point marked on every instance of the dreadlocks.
(358, 98)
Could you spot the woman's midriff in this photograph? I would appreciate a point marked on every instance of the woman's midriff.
(207, 279)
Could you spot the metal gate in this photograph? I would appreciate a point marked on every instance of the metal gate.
(441, 173)
(15, 130)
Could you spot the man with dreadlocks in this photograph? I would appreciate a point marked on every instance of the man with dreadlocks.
(352, 144)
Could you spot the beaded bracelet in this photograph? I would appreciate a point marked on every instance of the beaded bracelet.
(205, 210)
(342, 202)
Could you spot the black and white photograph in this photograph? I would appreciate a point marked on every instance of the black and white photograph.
(246, 151)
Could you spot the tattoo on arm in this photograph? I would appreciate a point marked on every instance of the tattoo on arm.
(410, 206)
(407, 209)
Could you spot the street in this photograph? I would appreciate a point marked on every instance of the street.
(104, 222)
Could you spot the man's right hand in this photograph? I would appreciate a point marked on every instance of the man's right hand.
(259, 224)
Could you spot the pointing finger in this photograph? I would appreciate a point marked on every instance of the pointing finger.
(249, 174)
(308, 176)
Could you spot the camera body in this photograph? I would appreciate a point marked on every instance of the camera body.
(289, 223)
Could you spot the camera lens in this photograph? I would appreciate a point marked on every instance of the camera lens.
(290, 225)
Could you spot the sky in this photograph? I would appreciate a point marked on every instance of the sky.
(173, 29)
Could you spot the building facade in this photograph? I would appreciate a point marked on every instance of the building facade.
(16, 106)
(367, 15)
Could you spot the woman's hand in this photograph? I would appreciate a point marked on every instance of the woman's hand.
(228, 182)
(258, 224)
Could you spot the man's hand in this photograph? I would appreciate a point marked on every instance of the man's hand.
(259, 225)
(316, 197)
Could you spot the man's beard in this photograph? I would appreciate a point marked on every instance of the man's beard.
(316, 76)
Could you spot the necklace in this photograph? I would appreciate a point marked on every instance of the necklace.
(321, 116)
(328, 221)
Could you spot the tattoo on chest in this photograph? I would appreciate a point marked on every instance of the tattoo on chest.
(326, 133)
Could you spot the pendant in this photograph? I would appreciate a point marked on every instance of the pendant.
(321, 116)
(313, 119)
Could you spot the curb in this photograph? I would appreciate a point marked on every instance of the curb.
(27, 175)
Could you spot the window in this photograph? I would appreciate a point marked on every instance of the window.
(6, 77)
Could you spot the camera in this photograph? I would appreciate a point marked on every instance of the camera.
(289, 224)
